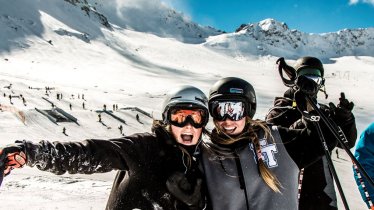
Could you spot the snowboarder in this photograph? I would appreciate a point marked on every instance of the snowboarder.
(168, 156)
(317, 187)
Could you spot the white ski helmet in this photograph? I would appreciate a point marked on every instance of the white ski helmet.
(185, 96)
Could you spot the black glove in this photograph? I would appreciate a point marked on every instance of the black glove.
(344, 103)
(189, 194)
(307, 86)
(12, 156)
(342, 114)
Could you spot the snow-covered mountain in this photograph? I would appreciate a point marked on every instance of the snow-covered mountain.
(270, 37)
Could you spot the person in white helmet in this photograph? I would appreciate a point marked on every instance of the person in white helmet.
(147, 163)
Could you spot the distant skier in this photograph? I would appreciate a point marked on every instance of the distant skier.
(137, 117)
(83, 105)
(120, 129)
(70, 106)
(104, 107)
(99, 116)
(64, 130)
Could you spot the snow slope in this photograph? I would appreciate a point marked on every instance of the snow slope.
(128, 62)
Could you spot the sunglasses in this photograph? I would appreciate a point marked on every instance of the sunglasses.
(233, 110)
(181, 117)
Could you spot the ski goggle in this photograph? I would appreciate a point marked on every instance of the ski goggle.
(181, 117)
(233, 110)
(316, 79)
(309, 71)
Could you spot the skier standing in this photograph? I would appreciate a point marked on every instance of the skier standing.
(317, 186)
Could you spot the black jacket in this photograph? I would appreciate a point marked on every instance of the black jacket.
(144, 162)
(317, 185)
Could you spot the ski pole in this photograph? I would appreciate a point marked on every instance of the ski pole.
(341, 138)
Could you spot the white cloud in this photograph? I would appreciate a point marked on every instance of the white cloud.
(180, 6)
(353, 2)
(369, 2)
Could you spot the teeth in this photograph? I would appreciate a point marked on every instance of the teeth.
(229, 128)
(186, 133)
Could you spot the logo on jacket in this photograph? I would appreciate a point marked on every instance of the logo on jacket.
(267, 153)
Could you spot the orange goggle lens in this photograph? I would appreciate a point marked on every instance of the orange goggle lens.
(180, 117)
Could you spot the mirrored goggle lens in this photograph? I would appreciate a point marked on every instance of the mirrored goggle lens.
(316, 79)
(180, 117)
(233, 110)
(306, 71)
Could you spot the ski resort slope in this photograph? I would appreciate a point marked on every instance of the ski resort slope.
(54, 44)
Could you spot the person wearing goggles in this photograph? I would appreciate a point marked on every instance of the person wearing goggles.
(317, 186)
(247, 163)
(150, 166)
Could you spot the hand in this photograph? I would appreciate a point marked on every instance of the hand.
(340, 116)
(179, 186)
(344, 103)
(307, 86)
(12, 156)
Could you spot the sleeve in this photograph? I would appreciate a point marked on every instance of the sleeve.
(364, 154)
(349, 129)
(304, 145)
(345, 120)
(86, 157)
(282, 113)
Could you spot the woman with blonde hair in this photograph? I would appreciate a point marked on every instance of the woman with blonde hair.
(247, 163)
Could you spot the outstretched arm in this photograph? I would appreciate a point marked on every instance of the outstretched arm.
(87, 157)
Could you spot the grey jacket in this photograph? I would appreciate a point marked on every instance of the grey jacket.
(235, 183)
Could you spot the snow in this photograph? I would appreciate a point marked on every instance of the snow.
(133, 62)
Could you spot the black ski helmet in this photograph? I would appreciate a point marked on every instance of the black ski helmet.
(234, 88)
(309, 63)
(185, 96)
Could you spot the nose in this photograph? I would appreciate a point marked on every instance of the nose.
(188, 125)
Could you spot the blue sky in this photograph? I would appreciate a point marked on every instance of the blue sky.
(313, 16)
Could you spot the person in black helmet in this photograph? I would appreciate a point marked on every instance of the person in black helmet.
(147, 164)
(317, 186)
(247, 163)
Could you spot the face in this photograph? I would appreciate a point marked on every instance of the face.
(186, 135)
(230, 127)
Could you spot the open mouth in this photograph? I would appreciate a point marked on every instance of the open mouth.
(229, 129)
(187, 138)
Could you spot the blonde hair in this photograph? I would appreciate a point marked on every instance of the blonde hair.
(254, 126)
